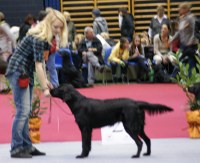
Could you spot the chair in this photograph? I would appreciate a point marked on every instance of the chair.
(107, 68)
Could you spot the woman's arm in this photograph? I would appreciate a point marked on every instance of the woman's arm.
(113, 55)
(42, 77)
(156, 45)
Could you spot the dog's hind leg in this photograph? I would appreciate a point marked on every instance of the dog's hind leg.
(86, 142)
(135, 137)
(147, 141)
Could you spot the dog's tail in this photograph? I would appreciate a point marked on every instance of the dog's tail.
(153, 109)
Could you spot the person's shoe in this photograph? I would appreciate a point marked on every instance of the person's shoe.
(36, 152)
(21, 154)
(90, 85)
(101, 68)
(115, 79)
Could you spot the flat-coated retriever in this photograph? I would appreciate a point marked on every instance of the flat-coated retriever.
(93, 113)
(69, 73)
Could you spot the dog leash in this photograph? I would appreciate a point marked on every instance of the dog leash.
(50, 112)
(59, 106)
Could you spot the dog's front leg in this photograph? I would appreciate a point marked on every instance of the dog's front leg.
(86, 142)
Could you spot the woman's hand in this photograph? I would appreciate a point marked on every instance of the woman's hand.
(49, 85)
(47, 93)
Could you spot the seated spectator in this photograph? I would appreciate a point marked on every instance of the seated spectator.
(77, 39)
(7, 45)
(162, 49)
(28, 22)
(137, 56)
(77, 59)
(157, 21)
(145, 43)
(119, 56)
(99, 23)
(71, 28)
(145, 39)
(90, 49)
(107, 38)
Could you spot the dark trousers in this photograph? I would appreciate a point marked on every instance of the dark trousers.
(114, 68)
(188, 56)
(142, 63)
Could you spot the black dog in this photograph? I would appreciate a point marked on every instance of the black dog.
(69, 74)
(93, 113)
(160, 74)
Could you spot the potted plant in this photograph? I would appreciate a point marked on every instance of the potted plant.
(187, 80)
(36, 112)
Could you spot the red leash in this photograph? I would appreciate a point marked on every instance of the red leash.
(59, 106)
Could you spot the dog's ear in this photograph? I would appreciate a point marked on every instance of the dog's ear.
(61, 53)
(67, 97)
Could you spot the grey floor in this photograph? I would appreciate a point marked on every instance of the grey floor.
(180, 150)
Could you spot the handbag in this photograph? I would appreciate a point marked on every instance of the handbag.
(23, 81)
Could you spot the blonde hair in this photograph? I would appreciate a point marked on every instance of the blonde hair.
(185, 6)
(67, 15)
(105, 35)
(160, 8)
(43, 30)
(79, 37)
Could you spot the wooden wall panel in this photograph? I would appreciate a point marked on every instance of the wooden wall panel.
(143, 11)
(109, 10)
(80, 11)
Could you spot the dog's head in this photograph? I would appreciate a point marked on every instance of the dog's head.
(66, 92)
(65, 54)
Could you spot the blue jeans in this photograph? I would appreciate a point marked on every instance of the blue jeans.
(23, 102)
(52, 70)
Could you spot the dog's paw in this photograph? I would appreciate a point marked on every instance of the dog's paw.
(147, 154)
(81, 156)
(135, 156)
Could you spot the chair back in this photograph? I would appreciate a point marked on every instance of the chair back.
(107, 54)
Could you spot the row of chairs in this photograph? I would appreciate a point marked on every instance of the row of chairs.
(107, 70)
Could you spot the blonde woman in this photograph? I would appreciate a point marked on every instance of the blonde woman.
(27, 58)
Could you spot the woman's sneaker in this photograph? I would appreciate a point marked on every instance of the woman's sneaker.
(36, 152)
(21, 154)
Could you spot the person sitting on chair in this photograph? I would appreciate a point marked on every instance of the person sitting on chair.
(137, 56)
(90, 49)
(119, 56)
(162, 48)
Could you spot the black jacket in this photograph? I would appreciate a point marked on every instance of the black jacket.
(95, 44)
(197, 29)
(23, 30)
(127, 28)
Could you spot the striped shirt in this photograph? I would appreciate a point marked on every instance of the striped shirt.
(23, 60)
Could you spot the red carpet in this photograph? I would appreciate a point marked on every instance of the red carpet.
(63, 127)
